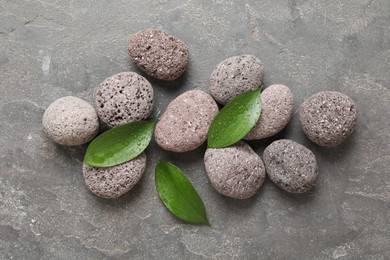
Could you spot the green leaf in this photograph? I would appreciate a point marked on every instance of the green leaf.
(119, 144)
(178, 194)
(235, 120)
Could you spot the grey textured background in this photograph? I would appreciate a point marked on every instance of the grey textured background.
(50, 49)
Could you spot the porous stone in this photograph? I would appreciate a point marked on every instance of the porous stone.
(328, 118)
(234, 76)
(290, 165)
(277, 103)
(235, 171)
(124, 97)
(112, 182)
(70, 121)
(158, 53)
(184, 125)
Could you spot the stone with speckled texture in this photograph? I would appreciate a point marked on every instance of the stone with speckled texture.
(277, 103)
(235, 76)
(328, 118)
(158, 53)
(184, 125)
(51, 49)
(290, 165)
(70, 121)
(113, 182)
(235, 171)
(123, 98)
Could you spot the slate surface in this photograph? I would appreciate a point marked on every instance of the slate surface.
(50, 49)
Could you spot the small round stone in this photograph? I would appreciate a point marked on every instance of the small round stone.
(158, 53)
(70, 121)
(112, 182)
(291, 166)
(235, 76)
(236, 171)
(123, 98)
(184, 125)
(277, 103)
(328, 118)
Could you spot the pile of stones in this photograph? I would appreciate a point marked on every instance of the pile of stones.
(327, 118)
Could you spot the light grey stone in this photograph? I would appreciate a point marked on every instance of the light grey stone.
(70, 121)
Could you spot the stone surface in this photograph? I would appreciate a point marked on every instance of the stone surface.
(184, 125)
(52, 49)
(235, 171)
(158, 53)
(70, 121)
(290, 165)
(277, 103)
(234, 76)
(124, 97)
(328, 118)
(113, 182)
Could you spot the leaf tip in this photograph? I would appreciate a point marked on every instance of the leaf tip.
(207, 223)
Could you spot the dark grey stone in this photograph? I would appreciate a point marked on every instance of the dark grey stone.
(158, 53)
(290, 165)
(123, 98)
(235, 171)
(52, 49)
(328, 118)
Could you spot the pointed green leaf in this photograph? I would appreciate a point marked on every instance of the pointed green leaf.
(178, 194)
(235, 120)
(119, 144)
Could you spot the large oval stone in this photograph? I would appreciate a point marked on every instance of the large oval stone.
(235, 171)
(158, 53)
(277, 105)
(234, 76)
(184, 125)
(290, 165)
